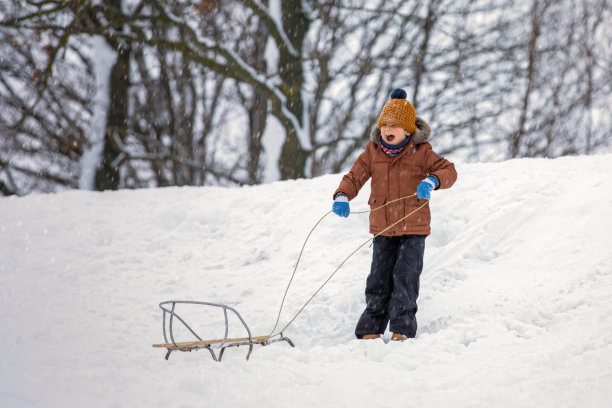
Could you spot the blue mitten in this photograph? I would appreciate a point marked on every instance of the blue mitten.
(424, 189)
(341, 206)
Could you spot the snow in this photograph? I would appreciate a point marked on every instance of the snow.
(515, 307)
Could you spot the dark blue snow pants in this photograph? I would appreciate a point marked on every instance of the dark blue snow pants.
(392, 286)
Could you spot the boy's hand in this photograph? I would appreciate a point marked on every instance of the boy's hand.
(341, 206)
(424, 189)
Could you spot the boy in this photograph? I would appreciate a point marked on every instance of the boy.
(400, 161)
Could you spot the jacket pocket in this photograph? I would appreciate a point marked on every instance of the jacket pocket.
(418, 214)
(378, 215)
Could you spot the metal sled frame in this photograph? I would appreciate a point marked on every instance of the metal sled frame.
(169, 316)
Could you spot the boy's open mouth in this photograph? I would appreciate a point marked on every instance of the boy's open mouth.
(390, 138)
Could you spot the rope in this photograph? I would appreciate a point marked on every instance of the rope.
(339, 266)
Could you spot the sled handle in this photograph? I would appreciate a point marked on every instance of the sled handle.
(168, 308)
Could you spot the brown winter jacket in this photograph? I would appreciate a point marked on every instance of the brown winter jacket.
(395, 177)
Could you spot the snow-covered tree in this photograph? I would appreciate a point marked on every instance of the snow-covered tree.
(197, 84)
(44, 110)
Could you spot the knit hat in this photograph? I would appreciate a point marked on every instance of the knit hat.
(398, 111)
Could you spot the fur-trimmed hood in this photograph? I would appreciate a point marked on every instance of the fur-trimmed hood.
(421, 135)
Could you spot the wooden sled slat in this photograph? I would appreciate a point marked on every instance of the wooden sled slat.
(196, 344)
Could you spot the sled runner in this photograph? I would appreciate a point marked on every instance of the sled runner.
(169, 321)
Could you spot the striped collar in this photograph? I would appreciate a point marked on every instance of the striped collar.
(393, 150)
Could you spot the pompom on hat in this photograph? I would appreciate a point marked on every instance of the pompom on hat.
(398, 111)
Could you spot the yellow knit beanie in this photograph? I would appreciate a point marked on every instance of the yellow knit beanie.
(398, 111)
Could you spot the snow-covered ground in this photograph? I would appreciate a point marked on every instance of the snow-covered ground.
(515, 306)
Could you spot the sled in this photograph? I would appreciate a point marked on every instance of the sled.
(170, 344)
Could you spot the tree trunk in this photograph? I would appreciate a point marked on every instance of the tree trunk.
(257, 115)
(107, 174)
(292, 161)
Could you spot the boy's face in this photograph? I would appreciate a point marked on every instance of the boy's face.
(393, 134)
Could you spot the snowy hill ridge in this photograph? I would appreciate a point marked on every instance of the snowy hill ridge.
(515, 307)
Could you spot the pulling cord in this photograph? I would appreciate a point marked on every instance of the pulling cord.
(339, 266)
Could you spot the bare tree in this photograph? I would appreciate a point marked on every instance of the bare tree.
(196, 82)
(44, 106)
(356, 57)
(107, 175)
(564, 89)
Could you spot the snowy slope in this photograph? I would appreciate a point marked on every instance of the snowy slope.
(515, 306)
